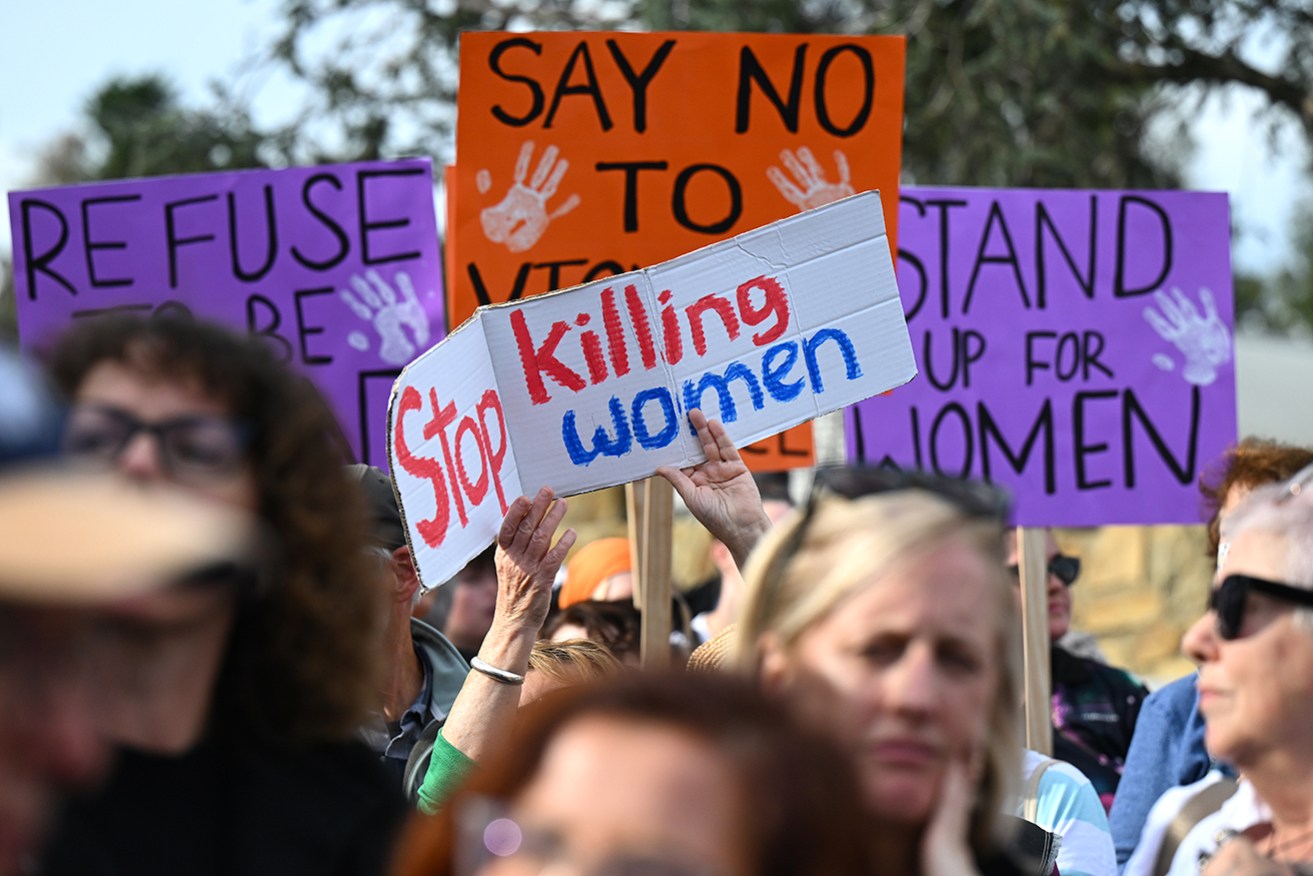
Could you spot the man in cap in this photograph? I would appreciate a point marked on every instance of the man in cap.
(424, 670)
(70, 543)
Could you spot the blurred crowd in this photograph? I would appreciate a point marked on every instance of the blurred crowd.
(216, 657)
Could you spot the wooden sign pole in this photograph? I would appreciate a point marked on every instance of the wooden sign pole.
(1035, 638)
(651, 517)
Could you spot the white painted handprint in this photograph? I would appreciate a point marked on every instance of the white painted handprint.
(1204, 339)
(378, 304)
(521, 217)
(812, 188)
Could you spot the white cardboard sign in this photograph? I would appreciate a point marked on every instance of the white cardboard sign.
(590, 387)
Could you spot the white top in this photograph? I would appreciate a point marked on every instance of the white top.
(1240, 811)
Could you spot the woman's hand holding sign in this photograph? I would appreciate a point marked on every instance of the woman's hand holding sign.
(720, 492)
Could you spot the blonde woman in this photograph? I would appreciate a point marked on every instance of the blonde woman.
(882, 613)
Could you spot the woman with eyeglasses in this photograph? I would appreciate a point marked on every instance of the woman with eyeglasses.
(1254, 647)
(882, 612)
(237, 720)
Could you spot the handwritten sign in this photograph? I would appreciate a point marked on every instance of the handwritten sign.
(1075, 346)
(590, 387)
(337, 267)
(585, 155)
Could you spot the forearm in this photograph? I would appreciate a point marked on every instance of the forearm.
(484, 711)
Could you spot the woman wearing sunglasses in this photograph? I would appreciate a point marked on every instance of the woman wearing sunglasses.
(1254, 647)
(883, 613)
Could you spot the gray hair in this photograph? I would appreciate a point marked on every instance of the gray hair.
(1271, 509)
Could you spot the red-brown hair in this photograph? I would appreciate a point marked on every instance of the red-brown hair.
(1251, 463)
(805, 813)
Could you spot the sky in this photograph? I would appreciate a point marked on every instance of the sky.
(50, 78)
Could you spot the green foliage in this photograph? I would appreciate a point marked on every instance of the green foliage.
(1283, 303)
(137, 127)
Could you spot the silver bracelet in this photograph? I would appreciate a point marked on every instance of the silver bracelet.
(505, 676)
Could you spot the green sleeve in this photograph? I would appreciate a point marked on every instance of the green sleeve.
(447, 768)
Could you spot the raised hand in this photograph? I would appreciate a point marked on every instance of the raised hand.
(1204, 339)
(720, 492)
(527, 562)
(521, 217)
(483, 714)
(812, 189)
(377, 303)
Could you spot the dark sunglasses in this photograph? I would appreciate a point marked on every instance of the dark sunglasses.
(1230, 598)
(191, 448)
(1066, 569)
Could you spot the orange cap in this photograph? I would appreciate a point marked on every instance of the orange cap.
(593, 564)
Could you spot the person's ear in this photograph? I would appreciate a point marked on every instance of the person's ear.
(774, 667)
(403, 570)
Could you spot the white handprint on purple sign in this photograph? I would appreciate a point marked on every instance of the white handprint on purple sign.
(1203, 339)
(377, 303)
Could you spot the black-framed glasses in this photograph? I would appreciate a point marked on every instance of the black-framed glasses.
(1230, 599)
(1066, 569)
(194, 447)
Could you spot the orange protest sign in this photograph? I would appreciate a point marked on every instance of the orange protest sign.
(583, 155)
(792, 448)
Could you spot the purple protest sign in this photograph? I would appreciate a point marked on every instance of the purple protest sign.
(1075, 346)
(336, 266)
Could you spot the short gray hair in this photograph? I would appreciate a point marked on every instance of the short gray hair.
(1269, 509)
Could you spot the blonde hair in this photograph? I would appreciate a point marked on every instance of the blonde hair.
(573, 661)
(793, 584)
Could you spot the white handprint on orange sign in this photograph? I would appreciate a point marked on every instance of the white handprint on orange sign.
(521, 217)
(812, 189)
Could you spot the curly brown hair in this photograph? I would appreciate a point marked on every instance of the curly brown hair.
(304, 654)
(1250, 463)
